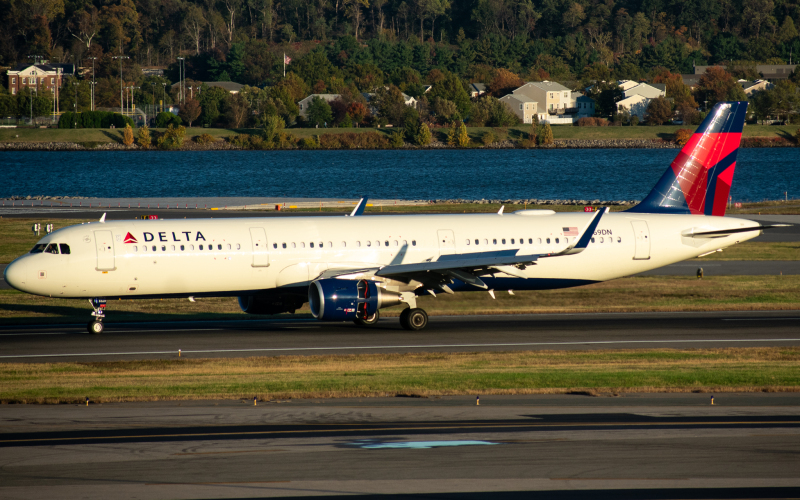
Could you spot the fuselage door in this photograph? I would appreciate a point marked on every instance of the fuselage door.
(447, 243)
(104, 243)
(260, 250)
(642, 240)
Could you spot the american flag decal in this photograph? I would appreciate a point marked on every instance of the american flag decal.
(570, 231)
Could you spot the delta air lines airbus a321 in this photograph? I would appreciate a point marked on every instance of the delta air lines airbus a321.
(348, 268)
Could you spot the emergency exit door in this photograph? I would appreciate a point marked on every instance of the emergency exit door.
(447, 242)
(260, 250)
(104, 243)
(641, 235)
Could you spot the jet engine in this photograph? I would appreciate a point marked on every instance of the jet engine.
(342, 300)
(271, 303)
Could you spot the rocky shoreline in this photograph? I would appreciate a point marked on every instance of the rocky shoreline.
(226, 146)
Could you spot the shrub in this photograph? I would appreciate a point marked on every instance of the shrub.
(127, 136)
(204, 139)
(143, 137)
(165, 119)
(592, 122)
(487, 138)
(462, 139)
(396, 139)
(240, 140)
(682, 136)
(93, 119)
(635, 120)
(424, 136)
(309, 143)
(546, 135)
(533, 132)
(172, 138)
(452, 134)
(352, 140)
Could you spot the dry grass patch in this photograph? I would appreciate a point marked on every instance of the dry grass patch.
(422, 374)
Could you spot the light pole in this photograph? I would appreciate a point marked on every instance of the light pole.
(120, 79)
(163, 95)
(75, 105)
(180, 77)
(93, 59)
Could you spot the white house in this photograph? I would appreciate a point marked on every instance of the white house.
(635, 104)
(476, 89)
(649, 90)
(306, 102)
(584, 104)
(638, 97)
(522, 106)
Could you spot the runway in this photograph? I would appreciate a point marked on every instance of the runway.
(628, 447)
(126, 341)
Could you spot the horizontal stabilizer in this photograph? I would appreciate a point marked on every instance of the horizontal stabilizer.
(726, 232)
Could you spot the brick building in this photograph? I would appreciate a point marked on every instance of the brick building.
(42, 78)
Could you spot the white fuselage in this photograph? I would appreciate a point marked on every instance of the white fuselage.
(245, 255)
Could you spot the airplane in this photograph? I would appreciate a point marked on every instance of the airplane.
(349, 268)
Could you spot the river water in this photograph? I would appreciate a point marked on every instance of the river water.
(604, 174)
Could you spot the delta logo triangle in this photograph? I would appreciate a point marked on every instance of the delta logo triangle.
(129, 238)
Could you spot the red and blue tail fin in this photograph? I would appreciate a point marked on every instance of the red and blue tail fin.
(699, 179)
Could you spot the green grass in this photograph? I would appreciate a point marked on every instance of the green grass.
(664, 132)
(424, 374)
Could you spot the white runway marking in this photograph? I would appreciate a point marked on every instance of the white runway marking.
(379, 347)
(759, 319)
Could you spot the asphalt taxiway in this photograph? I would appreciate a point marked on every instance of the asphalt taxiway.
(125, 341)
(569, 446)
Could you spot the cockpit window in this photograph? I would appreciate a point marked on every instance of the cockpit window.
(38, 248)
(52, 248)
(64, 248)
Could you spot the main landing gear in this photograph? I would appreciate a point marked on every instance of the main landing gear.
(96, 325)
(368, 321)
(413, 318)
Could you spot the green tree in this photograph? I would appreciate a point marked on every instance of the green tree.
(546, 135)
(143, 137)
(462, 139)
(424, 135)
(273, 129)
(319, 112)
(447, 85)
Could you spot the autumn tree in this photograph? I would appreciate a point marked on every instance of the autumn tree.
(504, 82)
(718, 85)
(127, 135)
(190, 111)
(357, 112)
(658, 111)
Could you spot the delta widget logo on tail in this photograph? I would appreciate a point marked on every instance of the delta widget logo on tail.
(129, 238)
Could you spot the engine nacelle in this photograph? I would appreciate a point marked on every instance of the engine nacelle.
(342, 300)
(270, 303)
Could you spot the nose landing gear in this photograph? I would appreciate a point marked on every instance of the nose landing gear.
(96, 325)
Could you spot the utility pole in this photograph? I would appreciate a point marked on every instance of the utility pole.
(121, 105)
(163, 95)
(93, 59)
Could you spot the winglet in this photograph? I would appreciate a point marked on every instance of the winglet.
(103, 218)
(362, 204)
(500, 212)
(586, 235)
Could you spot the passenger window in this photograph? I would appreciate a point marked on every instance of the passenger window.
(172, 248)
(52, 248)
(163, 248)
(494, 241)
(396, 243)
(467, 241)
(135, 248)
(413, 243)
(556, 241)
(610, 239)
(238, 246)
(191, 247)
(274, 245)
(386, 243)
(65, 248)
(183, 248)
(200, 247)
(548, 241)
(358, 243)
(530, 240)
(311, 245)
(229, 246)
(485, 241)
(405, 243)
(283, 245)
(377, 243)
(619, 240)
(294, 245)
(344, 244)
(330, 244)
(144, 249)
(512, 241)
(592, 240)
(39, 248)
(369, 243)
(154, 248)
(602, 240)
(539, 240)
(477, 242)
(302, 244)
(321, 245)
(504, 241)
(219, 246)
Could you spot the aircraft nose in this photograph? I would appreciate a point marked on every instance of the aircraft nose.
(16, 274)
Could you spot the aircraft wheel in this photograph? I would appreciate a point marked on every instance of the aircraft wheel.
(404, 318)
(95, 327)
(369, 321)
(415, 319)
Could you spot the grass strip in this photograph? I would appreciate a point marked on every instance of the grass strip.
(640, 294)
(761, 369)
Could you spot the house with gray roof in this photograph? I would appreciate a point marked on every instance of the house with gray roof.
(306, 102)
